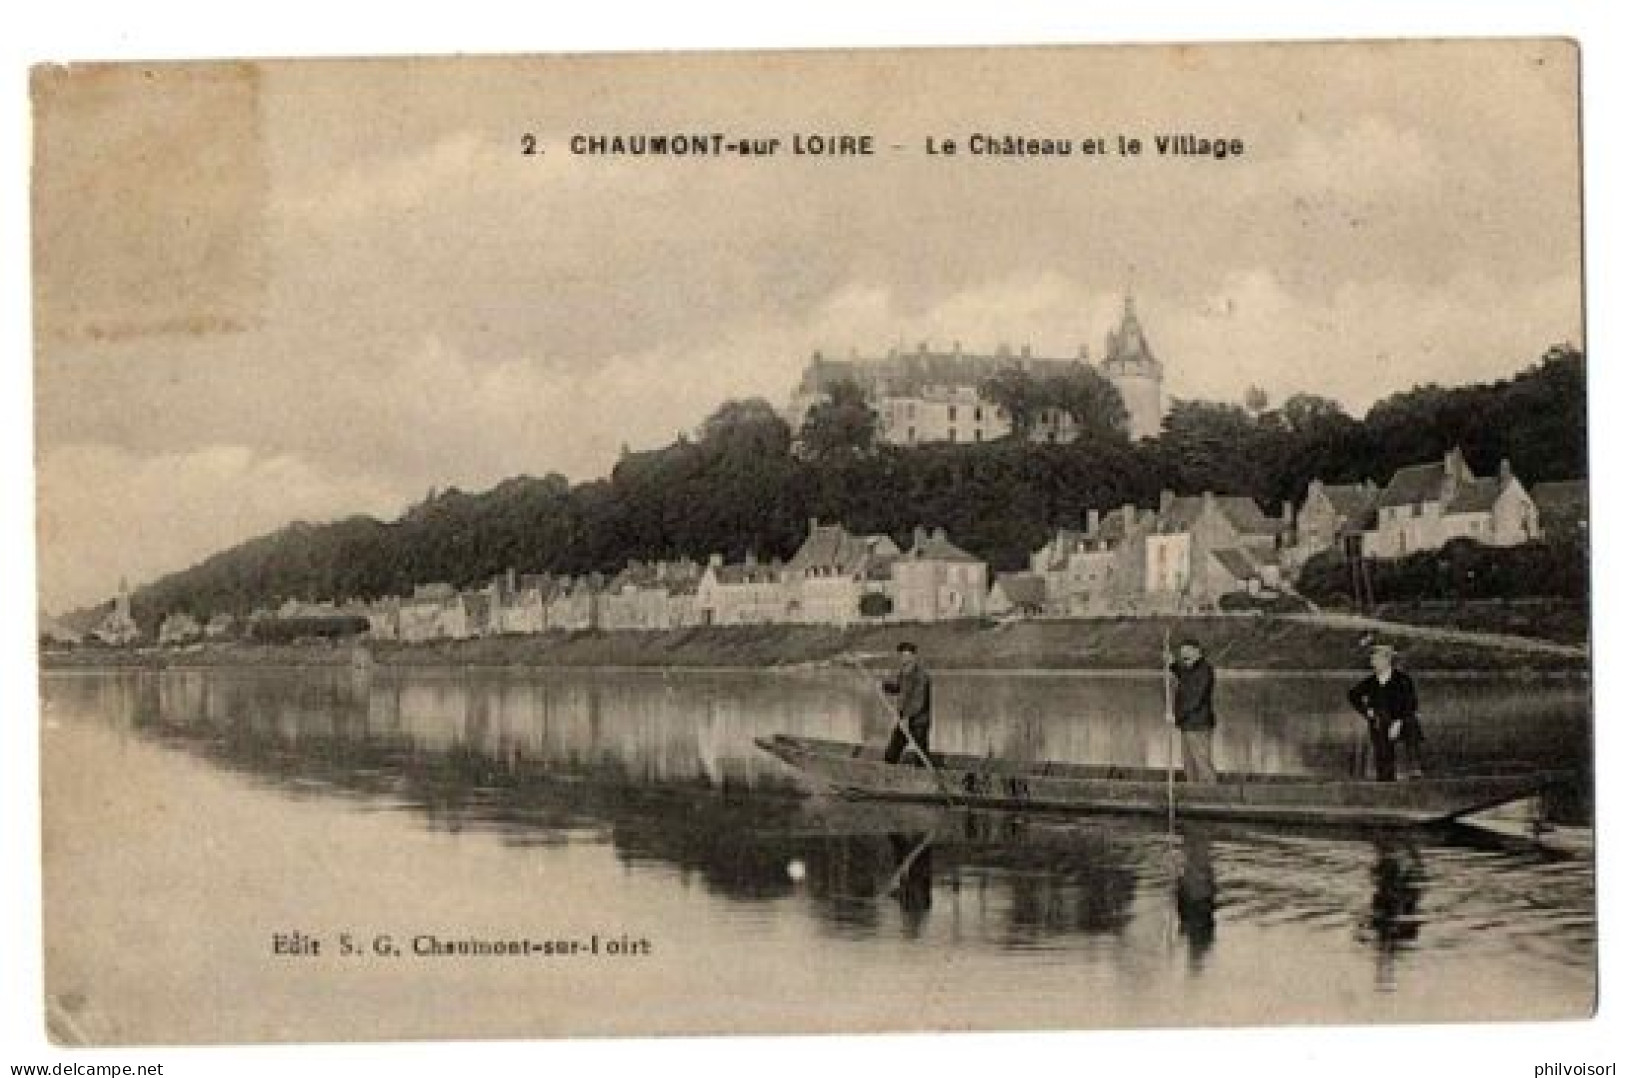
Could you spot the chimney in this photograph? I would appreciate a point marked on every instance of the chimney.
(939, 534)
(919, 537)
(714, 561)
(1506, 471)
(1093, 518)
(1083, 353)
(1165, 504)
(956, 348)
(750, 558)
(1026, 351)
(812, 525)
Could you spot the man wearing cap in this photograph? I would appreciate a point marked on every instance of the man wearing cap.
(1387, 700)
(1193, 710)
(912, 687)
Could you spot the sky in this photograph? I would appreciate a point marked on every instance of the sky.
(296, 291)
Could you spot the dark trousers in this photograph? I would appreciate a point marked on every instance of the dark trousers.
(898, 745)
(1384, 750)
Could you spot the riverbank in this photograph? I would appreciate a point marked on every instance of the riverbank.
(1265, 643)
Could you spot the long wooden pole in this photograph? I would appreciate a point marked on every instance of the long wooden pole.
(908, 735)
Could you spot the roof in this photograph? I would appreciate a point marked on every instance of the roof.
(1022, 589)
(1236, 563)
(831, 546)
(936, 547)
(1242, 512)
(748, 573)
(1475, 496)
(909, 374)
(1350, 500)
(1568, 497)
(1413, 484)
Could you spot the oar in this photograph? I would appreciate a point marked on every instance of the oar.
(908, 735)
(1168, 718)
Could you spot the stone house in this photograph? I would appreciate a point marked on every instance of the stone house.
(745, 593)
(935, 580)
(825, 581)
(1208, 546)
(1099, 569)
(1331, 515)
(179, 628)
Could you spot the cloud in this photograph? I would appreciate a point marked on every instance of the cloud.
(106, 514)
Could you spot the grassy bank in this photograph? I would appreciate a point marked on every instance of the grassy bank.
(1261, 643)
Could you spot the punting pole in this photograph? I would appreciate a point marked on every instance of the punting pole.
(1168, 718)
(908, 735)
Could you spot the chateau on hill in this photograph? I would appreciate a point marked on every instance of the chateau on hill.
(933, 396)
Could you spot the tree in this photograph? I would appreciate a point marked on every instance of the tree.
(1019, 394)
(1306, 413)
(1093, 402)
(843, 422)
(1255, 400)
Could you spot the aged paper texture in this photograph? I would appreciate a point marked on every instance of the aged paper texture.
(813, 542)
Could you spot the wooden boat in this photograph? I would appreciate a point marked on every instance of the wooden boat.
(983, 782)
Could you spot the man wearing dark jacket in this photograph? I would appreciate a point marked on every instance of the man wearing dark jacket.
(1193, 710)
(912, 687)
(1387, 700)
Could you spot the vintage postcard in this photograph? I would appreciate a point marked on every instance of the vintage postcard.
(805, 542)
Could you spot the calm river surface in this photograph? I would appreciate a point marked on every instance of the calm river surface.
(194, 815)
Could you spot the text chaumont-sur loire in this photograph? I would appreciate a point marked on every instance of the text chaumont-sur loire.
(718, 144)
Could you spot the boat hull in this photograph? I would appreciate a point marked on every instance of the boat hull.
(845, 769)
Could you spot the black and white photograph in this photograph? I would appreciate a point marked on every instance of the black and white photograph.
(829, 541)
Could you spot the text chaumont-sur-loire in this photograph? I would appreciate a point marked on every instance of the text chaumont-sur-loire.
(980, 144)
(432, 945)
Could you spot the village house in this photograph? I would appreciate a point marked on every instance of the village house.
(179, 628)
(1213, 545)
(935, 580)
(640, 596)
(1331, 517)
(1424, 506)
(434, 612)
(220, 626)
(574, 605)
(747, 593)
(825, 581)
(1098, 570)
(384, 619)
(1016, 595)
(522, 603)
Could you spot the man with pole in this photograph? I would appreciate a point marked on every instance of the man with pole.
(1193, 681)
(912, 688)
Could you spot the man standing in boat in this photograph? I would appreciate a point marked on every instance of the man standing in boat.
(1193, 710)
(912, 688)
(1387, 700)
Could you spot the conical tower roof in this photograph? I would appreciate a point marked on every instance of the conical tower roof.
(1126, 346)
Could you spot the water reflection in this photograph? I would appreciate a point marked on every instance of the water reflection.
(1398, 883)
(1196, 895)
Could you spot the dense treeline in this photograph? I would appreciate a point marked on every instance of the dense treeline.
(744, 482)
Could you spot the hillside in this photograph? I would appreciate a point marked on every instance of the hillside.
(741, 485)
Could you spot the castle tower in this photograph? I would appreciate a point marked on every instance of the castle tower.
(1130, 366)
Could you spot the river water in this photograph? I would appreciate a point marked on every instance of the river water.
(197, 821)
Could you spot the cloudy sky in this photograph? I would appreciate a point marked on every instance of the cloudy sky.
(298, 291)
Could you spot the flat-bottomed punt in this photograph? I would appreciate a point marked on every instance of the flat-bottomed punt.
(985, 782)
